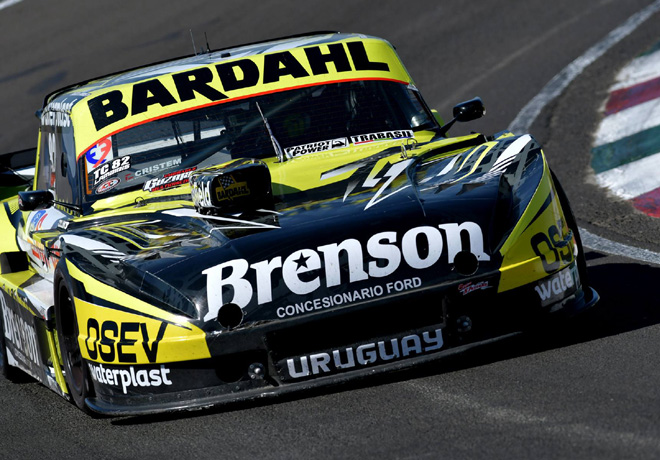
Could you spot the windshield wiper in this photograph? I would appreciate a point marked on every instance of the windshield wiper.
(281, 156)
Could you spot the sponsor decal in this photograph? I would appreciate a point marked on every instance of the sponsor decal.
(44, 219)
(153, 169)
(109, 169)
(57, 114)
(365, 355)
(229, 189)
(306, 270)
(131, 377)
(37, 252)
(20, 334)
(381, 136)
(214, 81)
(58, 119)
(357, 295)
(200, 191)
(121, 342)
(558, 286)
(99, 154)
(62, 225)
(170, 180)
(37, 220)
(44, 260)
(107, 185)
(467, 288)
(314, 147)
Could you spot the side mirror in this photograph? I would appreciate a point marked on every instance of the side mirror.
(35, 199)
(469, 110)
(465, 111)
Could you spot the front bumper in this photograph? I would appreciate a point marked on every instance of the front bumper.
(334, 347)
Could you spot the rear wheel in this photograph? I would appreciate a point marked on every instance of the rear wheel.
(76, 372)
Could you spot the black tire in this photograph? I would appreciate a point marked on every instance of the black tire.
(76, 372)
(572, 224)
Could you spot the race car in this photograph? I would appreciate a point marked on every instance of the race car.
(267, 218)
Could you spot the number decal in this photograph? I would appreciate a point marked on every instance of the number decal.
(551, 249)
(112, 168)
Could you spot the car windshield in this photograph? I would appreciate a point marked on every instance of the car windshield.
(162, 153)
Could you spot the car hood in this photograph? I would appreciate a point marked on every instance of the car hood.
(396, 224)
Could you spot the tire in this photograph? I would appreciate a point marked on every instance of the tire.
(76, 371)
(572, 224)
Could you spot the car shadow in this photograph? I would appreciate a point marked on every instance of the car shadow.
(628, 302)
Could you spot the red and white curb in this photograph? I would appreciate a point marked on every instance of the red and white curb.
(626, 151)
(555, 87)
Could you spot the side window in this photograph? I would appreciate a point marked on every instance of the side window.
(57, 165)
(46, 165)
(66, 172)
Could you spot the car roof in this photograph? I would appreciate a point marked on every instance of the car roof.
(203, 58)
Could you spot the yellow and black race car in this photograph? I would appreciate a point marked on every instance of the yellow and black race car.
(267, 218)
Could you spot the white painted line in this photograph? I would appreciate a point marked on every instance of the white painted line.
(632, 179)
(558, 84)
(628, 122)
(6, 3)
(618, 249)
(642, 69)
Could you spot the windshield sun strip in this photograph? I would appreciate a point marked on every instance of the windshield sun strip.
(238, 98)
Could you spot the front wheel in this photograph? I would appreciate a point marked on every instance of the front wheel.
(76, 372)
(572, 224)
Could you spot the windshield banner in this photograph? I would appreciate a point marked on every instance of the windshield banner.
(105, 112)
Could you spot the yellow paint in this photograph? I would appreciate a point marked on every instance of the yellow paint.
(117, 337)
(54, 348)
(114, 295)
(521, 265)
(8, 243)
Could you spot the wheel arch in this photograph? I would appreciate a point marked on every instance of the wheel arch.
(73, 367)
(572, 224)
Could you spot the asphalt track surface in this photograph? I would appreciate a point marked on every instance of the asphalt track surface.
(588, 389)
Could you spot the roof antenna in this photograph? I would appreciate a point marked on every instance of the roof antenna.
(281, 156)
(208, 48)
(193, 42)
